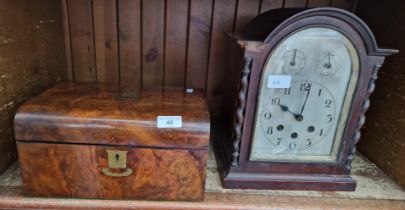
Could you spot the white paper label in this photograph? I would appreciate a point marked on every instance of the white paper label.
(279, 81)
(169, 121)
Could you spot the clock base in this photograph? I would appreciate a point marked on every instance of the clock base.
(246, 180)
(234, 180)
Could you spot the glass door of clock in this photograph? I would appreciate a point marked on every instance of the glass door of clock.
(306, 90)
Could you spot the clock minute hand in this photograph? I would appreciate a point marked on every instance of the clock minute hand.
(305, 102)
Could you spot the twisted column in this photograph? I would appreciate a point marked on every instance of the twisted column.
(362, 119)
(239, 116)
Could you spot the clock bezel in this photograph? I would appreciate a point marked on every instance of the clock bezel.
(254, 85)
(336, 143)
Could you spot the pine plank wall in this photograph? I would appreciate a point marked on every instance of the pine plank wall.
(160, 42)
(30, 33)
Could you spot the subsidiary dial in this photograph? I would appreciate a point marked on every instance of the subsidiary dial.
(329, 65)
(294, 61)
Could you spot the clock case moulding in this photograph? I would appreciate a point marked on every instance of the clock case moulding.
(248, 52)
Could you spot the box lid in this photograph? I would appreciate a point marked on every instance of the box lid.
(91, 113)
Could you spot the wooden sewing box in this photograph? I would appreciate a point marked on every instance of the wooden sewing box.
(90, 140)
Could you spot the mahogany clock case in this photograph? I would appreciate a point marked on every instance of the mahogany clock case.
(248, 53)
(84, 140)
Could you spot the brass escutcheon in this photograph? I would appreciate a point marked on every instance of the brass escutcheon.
(117, 160)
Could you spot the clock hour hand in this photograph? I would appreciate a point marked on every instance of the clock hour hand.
(284, 108)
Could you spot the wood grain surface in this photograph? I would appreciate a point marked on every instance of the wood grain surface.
(162, 43)
(295, 3)
(105, 40)
(129, 23)
(270, 4)
(175, 46)
(153, 14)
(76, 171)
(375, 191)
(82, 40)
(223, 20)
(198, 43)
(13, 198)
(246, 11)
(319, 3)
(30, 33)
(95, 114)
(68, 47)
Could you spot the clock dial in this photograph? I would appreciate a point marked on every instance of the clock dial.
(294, 127)
(294, 61)
(329, 64)
(305, 121)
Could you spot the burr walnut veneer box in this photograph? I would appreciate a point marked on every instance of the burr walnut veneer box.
(86, 140)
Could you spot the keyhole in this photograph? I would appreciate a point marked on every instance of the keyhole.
(117, 157)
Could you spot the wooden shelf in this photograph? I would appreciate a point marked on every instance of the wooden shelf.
(375, 190)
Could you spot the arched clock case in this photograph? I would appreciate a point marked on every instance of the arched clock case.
(296, 91)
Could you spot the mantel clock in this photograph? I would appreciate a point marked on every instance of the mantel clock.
(296, 95)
